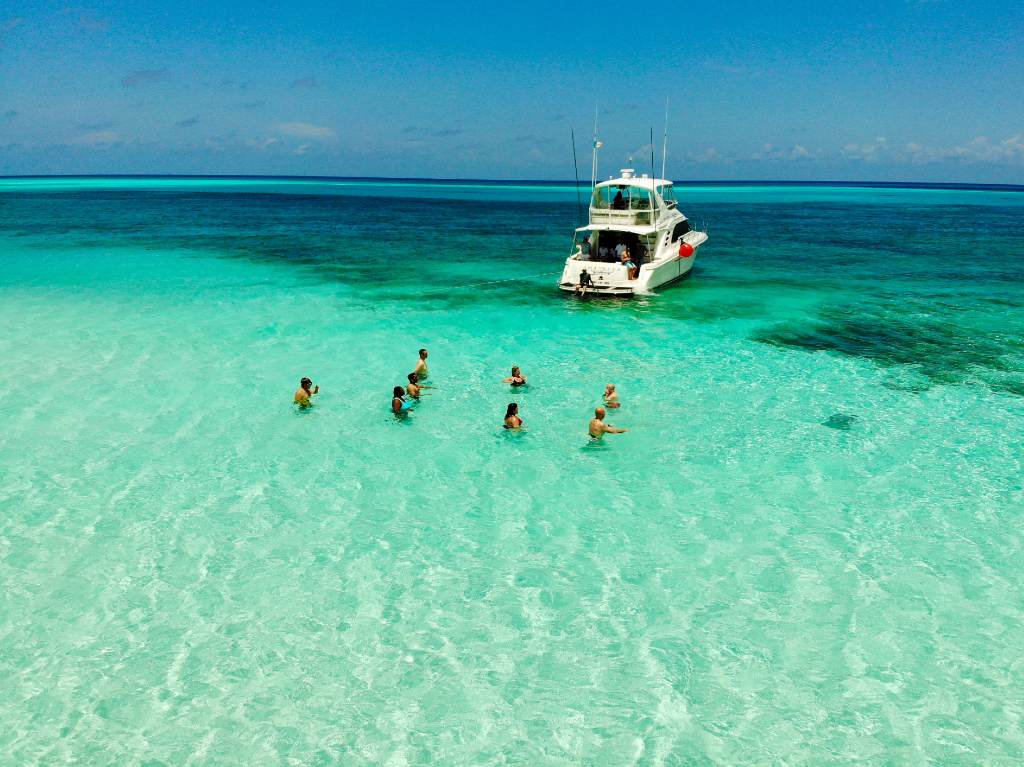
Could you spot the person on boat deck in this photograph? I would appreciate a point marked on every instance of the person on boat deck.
(512, 419)
(627, 261)
(618, 203)
(304, 392)
(585, 246)
(517, 378)
(584, 283)
(602, 252)
(611, 397)
(598, 428)
(421, 369)
(620, 249)
(398, 404)
(414, 388)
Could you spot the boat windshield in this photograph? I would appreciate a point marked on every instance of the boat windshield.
(622, 197)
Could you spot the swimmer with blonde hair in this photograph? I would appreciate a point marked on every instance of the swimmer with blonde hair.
(517, 378)
(611, 397)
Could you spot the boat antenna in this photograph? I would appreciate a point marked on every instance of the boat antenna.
(593, 159)
(576, 171)
(664, 141)
(652, 154)
(654, 208)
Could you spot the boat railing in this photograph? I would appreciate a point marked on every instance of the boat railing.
(620, 217)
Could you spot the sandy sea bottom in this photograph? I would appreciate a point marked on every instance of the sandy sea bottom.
(806, 549)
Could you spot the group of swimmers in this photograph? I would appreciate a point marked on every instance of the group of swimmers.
(414, 389)
(403, 399)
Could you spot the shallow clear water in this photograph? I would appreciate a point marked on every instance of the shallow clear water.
(807, 549)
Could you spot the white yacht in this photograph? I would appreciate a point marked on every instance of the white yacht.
(638, 217)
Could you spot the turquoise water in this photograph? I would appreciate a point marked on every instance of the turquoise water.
(806, 550)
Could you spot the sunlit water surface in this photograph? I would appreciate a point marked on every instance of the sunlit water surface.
(806, 550)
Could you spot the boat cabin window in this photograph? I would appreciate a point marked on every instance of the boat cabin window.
(680, 229)
(622, 197)
(668, 194)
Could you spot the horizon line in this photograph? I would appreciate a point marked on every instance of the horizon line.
(538, 182)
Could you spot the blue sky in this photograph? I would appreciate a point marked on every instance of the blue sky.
(898, 90)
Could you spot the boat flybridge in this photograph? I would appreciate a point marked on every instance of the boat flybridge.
(637, 239)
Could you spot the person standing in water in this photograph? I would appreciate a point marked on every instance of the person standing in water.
(398, 404)
(414, 389)
(421, 370)
(598, 428)
(611, 397)
(512, 419)
(305, 391)
(517, 378)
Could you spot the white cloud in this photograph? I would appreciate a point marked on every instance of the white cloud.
(264, 143)
(306, 130)
(96, 138)
(795, 152)
(711, 154)
(980, 149)
(868, 152)
(143, 77)
(301, 149)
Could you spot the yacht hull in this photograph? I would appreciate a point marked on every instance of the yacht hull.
(613, 279)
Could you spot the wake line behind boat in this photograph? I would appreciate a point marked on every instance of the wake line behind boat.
(637, 239)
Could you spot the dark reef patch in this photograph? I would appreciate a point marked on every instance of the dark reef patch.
(841, 421)
(951, 347)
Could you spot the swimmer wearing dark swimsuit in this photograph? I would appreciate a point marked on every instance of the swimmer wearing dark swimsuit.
(517, 378)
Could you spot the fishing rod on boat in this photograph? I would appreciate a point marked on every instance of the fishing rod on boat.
(576, 170)
(664, 141)
(654, 213)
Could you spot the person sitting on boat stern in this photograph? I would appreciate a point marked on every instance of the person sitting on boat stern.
(399, 406)
(627, 261)
(512, 419)
(304, 392)
(584, 283)
(517, 378)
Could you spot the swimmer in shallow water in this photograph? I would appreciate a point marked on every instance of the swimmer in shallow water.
(305, 391)
(611, 397)
(512, 419)
(399, 406)
(598, 428)
(517, 378)
(421, 369)
(414, 389)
